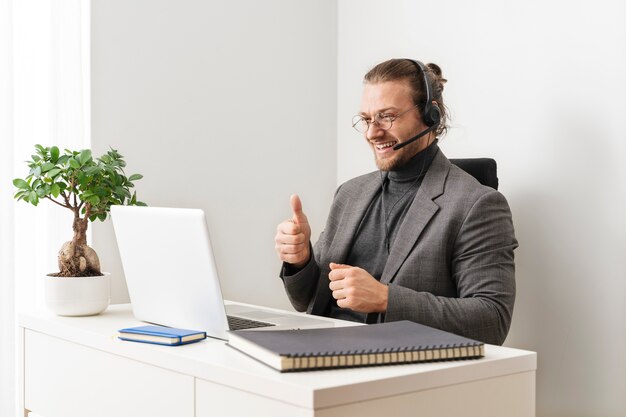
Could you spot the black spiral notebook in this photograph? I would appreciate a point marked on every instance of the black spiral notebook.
(343, 347)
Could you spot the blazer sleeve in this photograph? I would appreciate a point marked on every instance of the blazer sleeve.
(301, 285)
(483, 269)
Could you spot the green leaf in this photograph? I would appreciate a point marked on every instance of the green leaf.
(33, 198)
(74, 163)
(47, 167)
(55, 190)
(121, 192)
(21, 184)
(63, 159)
(42, 191)
(85, 156)
(114, 153)
(135, 177)
(36, 172)
(54, 172)
(100, 192)
(92, 170)
(94, 200)
(141, 203)
(54, 154)
(82, 179)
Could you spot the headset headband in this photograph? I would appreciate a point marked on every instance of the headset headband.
(431, 114)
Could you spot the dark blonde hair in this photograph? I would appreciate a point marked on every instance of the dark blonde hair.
(406, 69)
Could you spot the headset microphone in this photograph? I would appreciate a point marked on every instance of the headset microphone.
(416, 137)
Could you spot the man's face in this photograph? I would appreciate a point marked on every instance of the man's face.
(392, 98)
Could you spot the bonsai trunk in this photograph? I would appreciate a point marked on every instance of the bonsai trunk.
(76, 258)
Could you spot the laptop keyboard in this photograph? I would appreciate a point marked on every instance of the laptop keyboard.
(239, 323)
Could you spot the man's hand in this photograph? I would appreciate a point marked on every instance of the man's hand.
(293, 236)
(356, 289)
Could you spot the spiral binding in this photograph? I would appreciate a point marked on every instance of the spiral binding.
(373, 357)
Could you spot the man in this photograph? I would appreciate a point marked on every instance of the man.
(419, 239)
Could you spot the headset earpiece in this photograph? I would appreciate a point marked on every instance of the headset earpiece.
(431, 114)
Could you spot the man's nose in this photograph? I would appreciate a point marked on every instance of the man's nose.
(374, 131)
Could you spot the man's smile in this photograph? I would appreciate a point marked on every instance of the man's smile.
(384, 147)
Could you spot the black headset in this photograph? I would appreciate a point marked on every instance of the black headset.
(431, 114)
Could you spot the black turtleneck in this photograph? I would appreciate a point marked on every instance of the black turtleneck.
(373, 240)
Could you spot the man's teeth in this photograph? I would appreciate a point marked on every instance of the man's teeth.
(385, 145)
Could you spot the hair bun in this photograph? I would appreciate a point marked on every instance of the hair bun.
(438, 77)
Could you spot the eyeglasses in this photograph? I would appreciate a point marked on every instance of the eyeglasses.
(384, 121)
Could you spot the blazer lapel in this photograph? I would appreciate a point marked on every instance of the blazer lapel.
(421, 211)
(340, 246)
(354, 213)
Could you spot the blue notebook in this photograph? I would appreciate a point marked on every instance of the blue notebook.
(161, 335)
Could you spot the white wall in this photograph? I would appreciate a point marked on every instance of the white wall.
(229, 106)
(540, 87)
(232, 106)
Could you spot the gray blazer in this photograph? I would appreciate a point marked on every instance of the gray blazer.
(451, 265)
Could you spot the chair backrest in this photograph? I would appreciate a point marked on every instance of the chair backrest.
(485, 170)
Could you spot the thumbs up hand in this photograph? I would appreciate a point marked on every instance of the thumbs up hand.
(293, 236)
(296, 210)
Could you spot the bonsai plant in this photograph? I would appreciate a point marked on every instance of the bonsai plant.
(87, 187)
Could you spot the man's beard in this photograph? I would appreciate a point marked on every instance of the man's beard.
(399, 158)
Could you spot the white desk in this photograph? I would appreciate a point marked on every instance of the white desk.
(71, 367)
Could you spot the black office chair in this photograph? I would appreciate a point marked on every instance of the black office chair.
(484, 170)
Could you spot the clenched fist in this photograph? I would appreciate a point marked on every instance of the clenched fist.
(293, 236)
(356, 289)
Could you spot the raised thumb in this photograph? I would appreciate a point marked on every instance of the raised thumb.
(296, 209)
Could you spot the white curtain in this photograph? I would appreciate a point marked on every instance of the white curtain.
(7, 289)
(44, 70)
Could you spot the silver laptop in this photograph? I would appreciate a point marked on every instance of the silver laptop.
(172, 277)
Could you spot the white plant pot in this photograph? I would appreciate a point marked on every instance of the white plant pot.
(78, 296)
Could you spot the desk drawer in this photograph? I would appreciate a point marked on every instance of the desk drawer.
(99, 384)
(219, 400)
